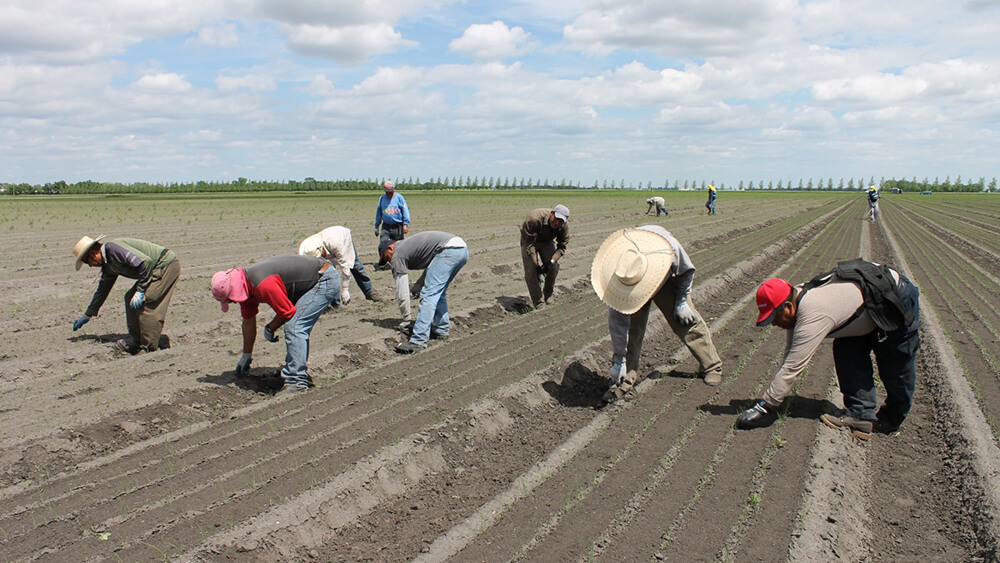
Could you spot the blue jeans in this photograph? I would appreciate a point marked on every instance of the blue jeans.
(660, 208)
(361, 275)
(896, 354)
(432, 314)
(308, 308)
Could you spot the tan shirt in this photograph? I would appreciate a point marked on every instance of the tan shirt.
(820, 312)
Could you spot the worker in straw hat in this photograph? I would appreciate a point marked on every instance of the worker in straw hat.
(155, 270)
(634, 268)
(336, 245)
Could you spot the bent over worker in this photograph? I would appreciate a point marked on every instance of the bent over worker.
(835, 308)
(155, 270)
(298, 289)
(441, 255)
(633, 269)
(336, 245)
(659, 203)
(544, 236)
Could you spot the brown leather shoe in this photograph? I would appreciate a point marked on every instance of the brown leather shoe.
(861, 429)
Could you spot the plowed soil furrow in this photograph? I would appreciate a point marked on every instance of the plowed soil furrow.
(958, 298)
(575, 524)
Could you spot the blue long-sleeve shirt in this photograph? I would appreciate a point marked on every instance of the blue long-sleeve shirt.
(392, 211)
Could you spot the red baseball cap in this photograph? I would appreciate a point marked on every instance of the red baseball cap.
(770, 295)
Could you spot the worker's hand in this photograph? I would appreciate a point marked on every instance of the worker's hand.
(406, 327)
(269, 334)
(406, 229)
(376, 232)
(617, 373)
(757, 416)
(684, 313)
(84, 319)
(137, 298)
(243, 366)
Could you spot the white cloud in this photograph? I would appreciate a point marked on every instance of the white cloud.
(350, 44)
(494, 41)
(224, 35)
(254, 82)
(166, 82)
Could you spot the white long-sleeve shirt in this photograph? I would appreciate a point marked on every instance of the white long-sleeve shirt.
(338, 248)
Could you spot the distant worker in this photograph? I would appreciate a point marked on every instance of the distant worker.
(872, 204)
(634, 268)
(864, 307)
(336, 245)
(392, 215)
(155, 269)
(298, 289)
(544, 236)
(712, 196)
(441, 255)
(660, 206)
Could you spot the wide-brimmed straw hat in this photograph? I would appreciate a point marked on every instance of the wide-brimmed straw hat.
(82, 248)
(312, 246)
(629, 268)
(230, 285)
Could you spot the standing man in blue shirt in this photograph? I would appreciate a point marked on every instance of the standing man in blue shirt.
(392, 215)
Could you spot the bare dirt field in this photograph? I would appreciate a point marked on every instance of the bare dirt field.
(493, 445)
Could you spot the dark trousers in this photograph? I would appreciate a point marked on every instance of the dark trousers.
(361, 275)
(896, 355)
(392, 232)
(536, 291)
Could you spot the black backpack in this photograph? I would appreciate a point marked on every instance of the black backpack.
(880, 291)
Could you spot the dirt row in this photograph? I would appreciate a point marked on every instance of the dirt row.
(495, 445)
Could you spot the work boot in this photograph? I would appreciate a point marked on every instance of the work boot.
(125, 346)
(291, 390)
(883, 426)
(409, 347)
(860, 429)
(374, 297)
(713, 378)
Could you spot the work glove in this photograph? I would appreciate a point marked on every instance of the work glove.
(243, 366)
(376, 232)
(684, 313)
(617, 373)
(137, 298)
(406, 327)
(269, 334)
(84, 319)
(757, 416)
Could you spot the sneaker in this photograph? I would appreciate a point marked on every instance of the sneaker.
(861, 429)
(409, 347)
(713, 379)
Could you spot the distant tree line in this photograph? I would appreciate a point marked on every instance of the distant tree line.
(482, 183)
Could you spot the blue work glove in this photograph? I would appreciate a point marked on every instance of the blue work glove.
(684, 313)
(757, 416)
(617, 373)
(269, 334)
(243, 366)
(137, 298)
(84, 319)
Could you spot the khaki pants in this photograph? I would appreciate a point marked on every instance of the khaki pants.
(696, 337)
(535, 290)
(145, 324)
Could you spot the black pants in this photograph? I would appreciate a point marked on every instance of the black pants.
(896, 354)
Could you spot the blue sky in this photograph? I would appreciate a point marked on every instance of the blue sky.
(591, 91)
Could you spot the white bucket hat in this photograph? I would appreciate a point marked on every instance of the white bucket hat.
(82, 248)
(629, 268)
(312, 246)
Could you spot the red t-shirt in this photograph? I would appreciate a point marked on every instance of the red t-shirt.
(271, 291)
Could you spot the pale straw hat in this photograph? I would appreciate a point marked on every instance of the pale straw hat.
(312, 246)
(82, 248)
(629, 268)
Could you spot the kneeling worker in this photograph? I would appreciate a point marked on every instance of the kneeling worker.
(633, 269)
(834, 305)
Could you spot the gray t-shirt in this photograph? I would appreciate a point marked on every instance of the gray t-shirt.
(416, 253)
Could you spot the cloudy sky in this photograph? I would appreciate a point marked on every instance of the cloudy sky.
(582, 91)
